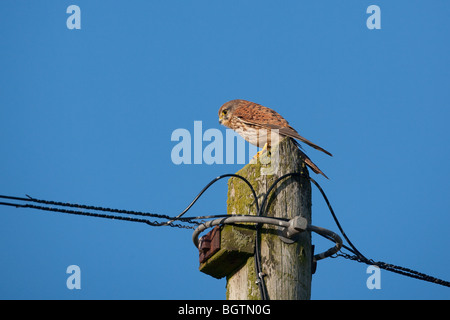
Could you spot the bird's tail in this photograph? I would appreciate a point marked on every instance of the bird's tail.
(309, 163)
(313, 167)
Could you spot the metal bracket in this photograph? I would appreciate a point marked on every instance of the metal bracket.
(289, 233)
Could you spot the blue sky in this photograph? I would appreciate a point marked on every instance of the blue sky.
(86, 116)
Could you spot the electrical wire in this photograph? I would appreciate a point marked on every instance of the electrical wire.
(97, 215)
(357, 255)
(330, 208)
(210, 184)
(260, 211)
(179, 217)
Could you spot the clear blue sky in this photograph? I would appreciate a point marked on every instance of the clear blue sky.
(86, 116)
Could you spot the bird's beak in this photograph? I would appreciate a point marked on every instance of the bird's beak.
(220, 120)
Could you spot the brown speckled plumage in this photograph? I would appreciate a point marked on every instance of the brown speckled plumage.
(247, 118)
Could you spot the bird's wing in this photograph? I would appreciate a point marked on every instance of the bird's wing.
(257, 114)
(266, 118)
(290, 132)
(286, 131)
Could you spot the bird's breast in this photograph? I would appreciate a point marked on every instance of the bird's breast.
(254, 134)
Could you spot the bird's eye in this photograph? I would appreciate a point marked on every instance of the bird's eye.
(224, 112)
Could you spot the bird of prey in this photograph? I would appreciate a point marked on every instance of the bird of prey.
(248, 118)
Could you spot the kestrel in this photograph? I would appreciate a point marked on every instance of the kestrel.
(248, 118)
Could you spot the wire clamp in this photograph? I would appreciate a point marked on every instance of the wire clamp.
(296, 226)
(260, 278)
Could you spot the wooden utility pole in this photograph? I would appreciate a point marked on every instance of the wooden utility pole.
(287, 267)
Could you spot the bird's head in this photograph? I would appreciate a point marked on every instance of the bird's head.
(226, 112)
